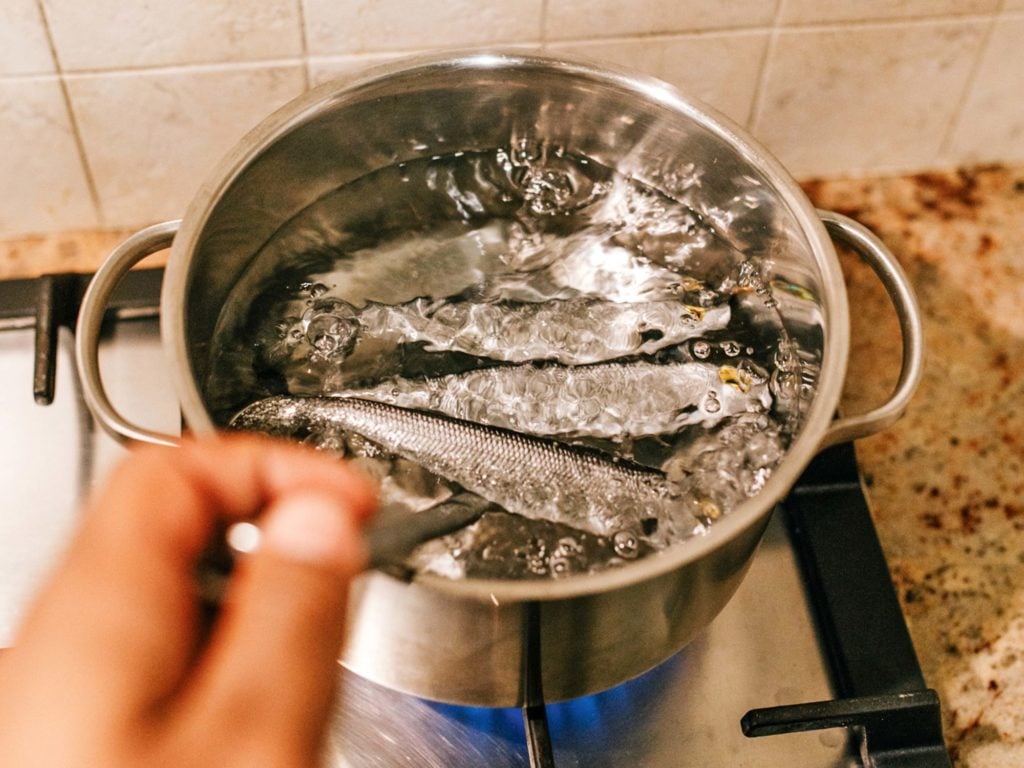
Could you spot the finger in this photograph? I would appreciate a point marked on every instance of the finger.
(271, 665)
(121, 614)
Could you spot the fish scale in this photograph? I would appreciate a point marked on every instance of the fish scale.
(534, 477)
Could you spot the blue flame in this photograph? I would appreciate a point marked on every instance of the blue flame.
(500, 723)
(584, 716)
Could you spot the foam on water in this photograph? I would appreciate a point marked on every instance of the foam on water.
(537, 291)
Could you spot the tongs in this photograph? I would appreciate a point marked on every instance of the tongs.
(390, 538)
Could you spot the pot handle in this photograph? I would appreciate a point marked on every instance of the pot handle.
(854, 234)
(90, 319)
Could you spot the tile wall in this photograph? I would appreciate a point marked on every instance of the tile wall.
(112, 112)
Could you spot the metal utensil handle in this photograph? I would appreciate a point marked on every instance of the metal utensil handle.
(894, 280)
(90, 320)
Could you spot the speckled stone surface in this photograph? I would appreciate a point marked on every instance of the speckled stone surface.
(946, 483)
(81, 251)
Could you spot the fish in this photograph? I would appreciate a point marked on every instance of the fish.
(604, 400)
(538, 478)
(576, 331)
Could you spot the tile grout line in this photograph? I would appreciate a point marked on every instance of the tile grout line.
(173, 69)
(640, 37)
(808, 26)
(947, 135)
(757, 102)
(304, 39)
(83, 158)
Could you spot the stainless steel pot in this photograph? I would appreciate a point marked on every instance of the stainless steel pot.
(466, 641)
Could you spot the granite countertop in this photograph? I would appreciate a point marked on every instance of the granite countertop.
(946, 483)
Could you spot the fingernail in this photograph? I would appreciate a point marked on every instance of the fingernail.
(314, 528)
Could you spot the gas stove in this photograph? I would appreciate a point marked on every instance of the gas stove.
(810, 664)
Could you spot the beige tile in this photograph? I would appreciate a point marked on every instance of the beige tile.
(353, 26)
(105, 34)
(574, 19)
(806, 11)
(152, 137)
(990, 126)
(1013, 5)
(324, 69)
(44, 185)
(720, 69)
(346, 68)
(864, 98)
(24, 48)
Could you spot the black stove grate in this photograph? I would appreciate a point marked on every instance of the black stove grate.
(51, 302)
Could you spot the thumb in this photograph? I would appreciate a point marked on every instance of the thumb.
(271, 664)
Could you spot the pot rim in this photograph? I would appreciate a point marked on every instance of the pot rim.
(833, 302)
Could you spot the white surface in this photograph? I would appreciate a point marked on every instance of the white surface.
(153, 137)
(878, 96)
(810, 11)
(990, 127)
(51, 455)
(721, 69)
(44, 185)
(104, 34)
(24, 48)
(352, 26)
(607, 18)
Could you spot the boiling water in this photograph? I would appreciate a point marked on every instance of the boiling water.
(539, 292)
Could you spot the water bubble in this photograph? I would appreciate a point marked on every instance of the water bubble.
(712, 404)
(731, 348)
(567, 546)
(285, 327)
(325, 342)
(626, 545)
(548, 192)
(331, 328)
(701, 349)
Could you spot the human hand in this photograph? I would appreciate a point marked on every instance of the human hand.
(115, 667)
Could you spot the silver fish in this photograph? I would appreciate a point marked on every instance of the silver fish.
(530, 476)
(574, 331)
(607, 400)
